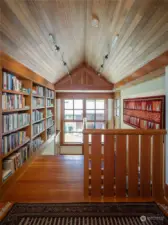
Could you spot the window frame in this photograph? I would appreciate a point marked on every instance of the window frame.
(63, 143)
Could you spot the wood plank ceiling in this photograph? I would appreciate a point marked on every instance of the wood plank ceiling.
(142, 26)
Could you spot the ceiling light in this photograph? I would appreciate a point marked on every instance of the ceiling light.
(115, 40)
(95, 21)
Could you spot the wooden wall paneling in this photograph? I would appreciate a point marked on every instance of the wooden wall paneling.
(133, 158)
(109, 165)
(142, 30)
(0, 123)
(83, 78)
(86, 165)
(158, 167)
(96, 166)
(82, 95)
(145, 166)
(120, 165)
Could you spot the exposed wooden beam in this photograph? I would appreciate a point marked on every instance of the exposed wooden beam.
(151, 70)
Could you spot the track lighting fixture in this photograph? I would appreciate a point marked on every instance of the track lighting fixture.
(105, 58)
(57, 49)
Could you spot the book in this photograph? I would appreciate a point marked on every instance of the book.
(36, 143)
(12, 101)
(37, 115)
(11, 141)
(49, 94)
(6, 174)
(50, 122)
(14, 121)
(38, 128)
(16, 160)
(50, 131)
(49, 102)
(37, 102)
(38, 90)
(11, 82)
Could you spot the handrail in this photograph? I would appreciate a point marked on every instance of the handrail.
(125, 131)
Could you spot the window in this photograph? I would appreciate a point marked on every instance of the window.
(95, 114)
(74, 110)
(73, 121)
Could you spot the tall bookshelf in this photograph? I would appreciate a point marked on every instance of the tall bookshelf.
(26, 116)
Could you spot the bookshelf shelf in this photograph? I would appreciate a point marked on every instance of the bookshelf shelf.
(15, 110)
(50, 98)
(12, 131)
(39, 108)
(50, 126)
(33, 97)
(15, 92)
(15, 149)
(37, 96)
(49, 117)
(38, 121)
(38, 134)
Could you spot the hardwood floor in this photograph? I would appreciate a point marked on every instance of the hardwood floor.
(49, 179)
(54, 179)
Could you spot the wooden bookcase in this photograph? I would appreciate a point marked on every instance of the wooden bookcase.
(30, 81)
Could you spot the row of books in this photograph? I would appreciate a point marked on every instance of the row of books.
(38, 90)
(14, 121)
(11, 101)
(144, 105)
(49, 112)
(37, 102)
(49, 94)
(37, 115)
(14, 161)
(50, 131)
(11, 82)
(141, 123)
(50, 122)
(10, 142)
(38, 128)
(36, 143)
(49, 102)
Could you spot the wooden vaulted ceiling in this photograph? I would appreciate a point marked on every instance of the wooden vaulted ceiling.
(142, 26)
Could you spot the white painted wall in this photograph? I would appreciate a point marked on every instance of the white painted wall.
(149, 88)
(110, 113)
(58, 113)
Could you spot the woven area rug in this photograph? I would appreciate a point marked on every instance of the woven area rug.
(85, 214)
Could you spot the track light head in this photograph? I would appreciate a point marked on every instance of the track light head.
(57, 48)
(106, 56)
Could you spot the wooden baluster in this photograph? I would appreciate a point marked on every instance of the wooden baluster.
(157, 167)
(108, 165)
(133, 153)
(96, 165)
(121, 166)
(86, 165)
(145, 166)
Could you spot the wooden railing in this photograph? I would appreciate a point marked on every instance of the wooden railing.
(128, 163)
